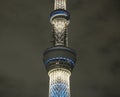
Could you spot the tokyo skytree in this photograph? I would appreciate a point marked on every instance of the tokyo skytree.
(59, 59)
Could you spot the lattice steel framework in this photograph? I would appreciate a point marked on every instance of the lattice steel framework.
(59, 60)
(59, 83)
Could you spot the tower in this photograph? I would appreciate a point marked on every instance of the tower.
(59, 59)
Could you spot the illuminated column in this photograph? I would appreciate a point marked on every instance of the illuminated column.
(60, 4)
(59, 60)
(59, 85)
(60, 19)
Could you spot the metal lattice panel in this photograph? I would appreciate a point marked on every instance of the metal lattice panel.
(59, 83)
(60, 4)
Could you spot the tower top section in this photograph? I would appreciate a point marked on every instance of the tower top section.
(60, 19)
(60, 4)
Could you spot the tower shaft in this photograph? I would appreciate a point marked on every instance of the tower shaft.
(60, 20)
(60, 4)
(59, 60)
(59, 85)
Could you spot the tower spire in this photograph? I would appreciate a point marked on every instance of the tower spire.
(59, 60)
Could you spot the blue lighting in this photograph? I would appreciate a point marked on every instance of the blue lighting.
(59, 89)
(59, 12)
(60, 58)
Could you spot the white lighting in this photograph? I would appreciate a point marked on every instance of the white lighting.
(60, 25)
(59, 82)
(60, 4)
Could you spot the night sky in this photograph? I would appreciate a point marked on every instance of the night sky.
(94, 32)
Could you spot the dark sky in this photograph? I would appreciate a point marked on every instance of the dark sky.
(25, 32)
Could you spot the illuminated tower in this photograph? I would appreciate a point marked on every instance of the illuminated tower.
(59, 60)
